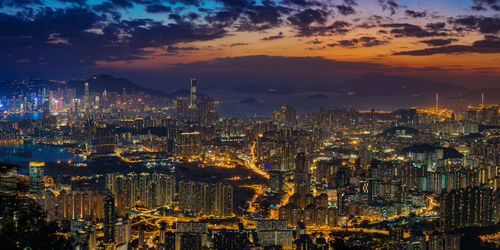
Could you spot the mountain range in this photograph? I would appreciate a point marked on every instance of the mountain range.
(372, 84)
(389, 85)
(375, 84)
(99, 83)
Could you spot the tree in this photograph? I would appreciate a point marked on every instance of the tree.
(23, 225)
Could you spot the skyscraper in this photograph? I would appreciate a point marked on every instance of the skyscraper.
(192, 100)
(86, 98)
(36, 169)
(86, 88)
(224, 200)
(105, 141)
(194, 108)
(274, 233)
(276, 181)
(8, 180)
(165, 191)
(190, 144)
(144, 184)
(191, 235)
(46, 103)
(286, 160)
(206, 198)
(109, 219)
(466, 207)
(286, 114)
(302, 180)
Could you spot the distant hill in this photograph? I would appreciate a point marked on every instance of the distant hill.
(97, 83)
(180, 92)
(390, 85)
(249, 100)
(423, 148)
(101, 82)
(16, 87)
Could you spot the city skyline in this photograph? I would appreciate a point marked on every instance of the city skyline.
(131, 168)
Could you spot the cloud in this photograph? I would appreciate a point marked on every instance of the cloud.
(365, 41)
(483, 5)
(338, 27)
(311, 22)
(303, 3)
(489, 45)
(238, 44)
(20, 3)
(345, 43)
(435, 26)
(78, 2)
(223, 17)
(346, 10)
(85, 33)
(270, 38)
(175, 50)
(261, 17)
(107, 8)
(315, 41)
(351, 2)
(158, 8)
(390, 5)
(247, 16)
(122, 3)
(61, 37)
(439, 42)
(234, 4)
(478, 8)
(415, 14)
(192, 16)
(410, 30)
(186, 2)
(307, 17)
(485, 25)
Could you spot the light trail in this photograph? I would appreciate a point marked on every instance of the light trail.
(251, 164)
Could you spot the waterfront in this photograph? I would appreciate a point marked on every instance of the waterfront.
(21, 154)
(21, 116)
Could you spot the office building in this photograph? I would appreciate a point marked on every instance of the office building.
(190, 144)
(36, 171)
(109, 219)
(8, 180)
(467, 207)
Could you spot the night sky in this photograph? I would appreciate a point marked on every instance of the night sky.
(224, 43)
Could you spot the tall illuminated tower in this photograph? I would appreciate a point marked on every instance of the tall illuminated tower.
(482, 99)
(437, 101)
(86, 96)
(86, 89)
(44, 94)
(192, 100)
(46, 103)
(302, 179)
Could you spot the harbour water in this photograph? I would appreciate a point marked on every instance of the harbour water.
(21, 116)
(24, 153)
